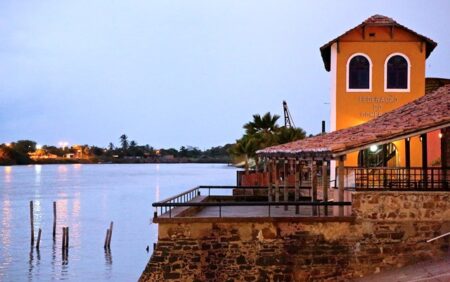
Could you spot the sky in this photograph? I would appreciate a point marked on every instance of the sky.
(173, 73)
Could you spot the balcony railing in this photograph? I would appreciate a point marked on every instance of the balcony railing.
(397, 178)
(224, 204)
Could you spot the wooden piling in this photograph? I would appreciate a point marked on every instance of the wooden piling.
(110, 234)
(32, 222)
(67, 238)
(38, 239)
(106, 239)
(63, 243)
(54, 220)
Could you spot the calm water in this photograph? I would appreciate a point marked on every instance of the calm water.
(88, 198)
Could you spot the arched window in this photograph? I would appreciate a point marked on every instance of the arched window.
(397, 73)
(359, 73)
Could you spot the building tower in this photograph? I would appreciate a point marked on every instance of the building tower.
(376, 67)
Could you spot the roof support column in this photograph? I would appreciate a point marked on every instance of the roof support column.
(341, 183)
(314, 185)
(325, 185)
(444, 153)
(285, 183)
(270, 181)
(298, 183)
(408, 161)
(423, 138)
(277, 183)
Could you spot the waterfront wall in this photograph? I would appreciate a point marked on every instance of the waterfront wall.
(388, 230)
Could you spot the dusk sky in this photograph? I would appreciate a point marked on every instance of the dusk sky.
(173, 73)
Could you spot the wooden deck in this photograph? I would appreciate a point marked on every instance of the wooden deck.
(258, 211)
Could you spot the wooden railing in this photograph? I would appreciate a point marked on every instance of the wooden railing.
(401, 178)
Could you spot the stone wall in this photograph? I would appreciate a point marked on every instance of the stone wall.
(389, 230)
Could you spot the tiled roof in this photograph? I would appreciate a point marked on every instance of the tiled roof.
(375, 20)
(429, 112)
(433, 83)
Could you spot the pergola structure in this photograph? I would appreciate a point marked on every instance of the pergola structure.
(426, 114)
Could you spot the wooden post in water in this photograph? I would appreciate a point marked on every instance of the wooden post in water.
(110, 234)
(32, 222)
(63, 244)
(67, 238)
(314, 185)
(325, 185)
(54, 220)
(38, 239)
(106, 239)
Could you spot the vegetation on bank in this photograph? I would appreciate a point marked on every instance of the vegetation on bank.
(25, 152)
(261, 132)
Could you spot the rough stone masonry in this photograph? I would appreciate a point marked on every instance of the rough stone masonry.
(387, 230)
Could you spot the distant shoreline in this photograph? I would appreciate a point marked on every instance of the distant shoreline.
(121, 161)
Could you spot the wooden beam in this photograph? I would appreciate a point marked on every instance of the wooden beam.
(325, 183)
(285, 183)
(444, 160)
(389, 140)
(407, 153)
(340, 164)
(314, 185)
(297, 169)
(423, 138)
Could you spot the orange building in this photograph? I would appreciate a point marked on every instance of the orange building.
(376, 67)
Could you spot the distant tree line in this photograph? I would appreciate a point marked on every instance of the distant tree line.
(27, 152)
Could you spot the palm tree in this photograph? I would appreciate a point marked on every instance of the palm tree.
(265, 124)
(124, 142)
(247, 147)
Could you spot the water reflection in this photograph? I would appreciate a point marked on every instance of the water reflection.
(37, 174)
(8, 174)
(86, 196)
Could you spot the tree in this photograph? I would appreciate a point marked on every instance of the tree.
(24, 146)
(110, 146)
(289, 134)
(124, 142)
(262, 132)
(266, 124)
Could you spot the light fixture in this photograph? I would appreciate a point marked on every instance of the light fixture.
(440, 135)
(373, 148)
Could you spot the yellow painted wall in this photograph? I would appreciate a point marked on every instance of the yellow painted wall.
(353, 108)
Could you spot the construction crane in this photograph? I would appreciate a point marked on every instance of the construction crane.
(288, 121)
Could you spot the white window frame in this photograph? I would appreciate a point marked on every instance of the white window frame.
(386, 89)
(348, 74)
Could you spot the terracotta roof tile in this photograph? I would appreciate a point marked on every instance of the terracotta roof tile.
(379, 20)
(428, 112)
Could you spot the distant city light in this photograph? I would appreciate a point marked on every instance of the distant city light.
(63, 144)
(373, 148)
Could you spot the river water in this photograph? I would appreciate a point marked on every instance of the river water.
(88, 198)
